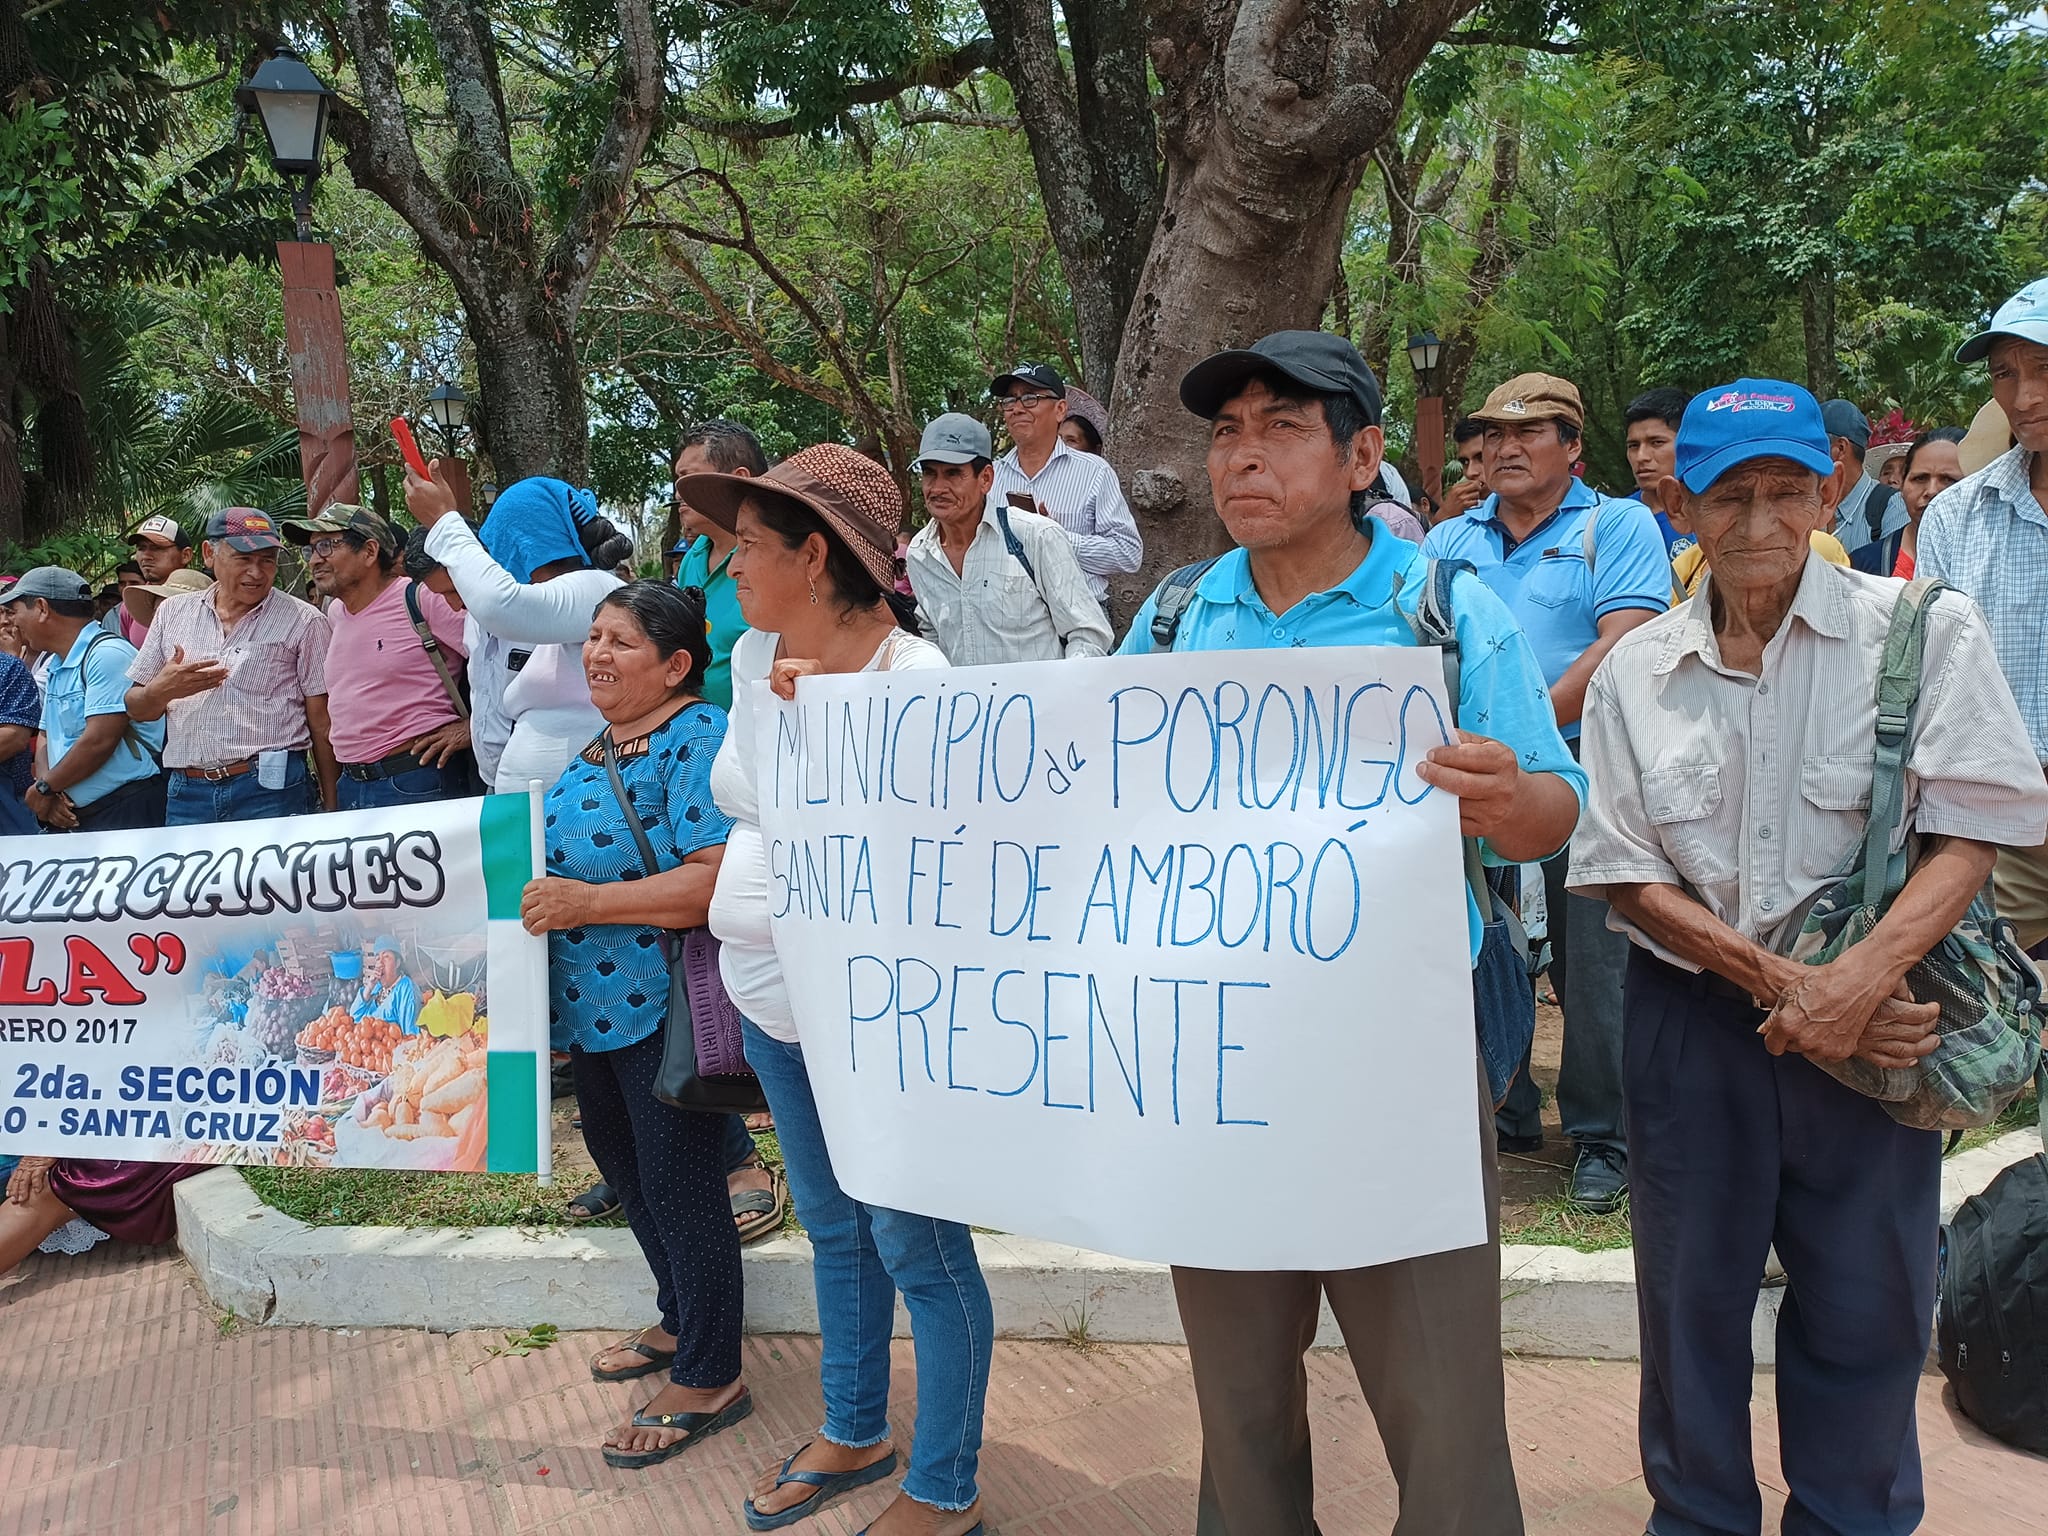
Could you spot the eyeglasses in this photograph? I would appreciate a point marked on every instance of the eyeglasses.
(1023, 402)
(326, 548)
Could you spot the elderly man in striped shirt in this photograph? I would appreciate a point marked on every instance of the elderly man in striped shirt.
(1042, 474)
(1988, 535)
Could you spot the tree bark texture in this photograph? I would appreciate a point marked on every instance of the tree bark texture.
(1095, 147)
(1269, 108)
(522, 293)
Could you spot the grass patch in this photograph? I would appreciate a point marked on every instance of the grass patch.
(2017, 1116)
(380, 1197)
(1553, 1222)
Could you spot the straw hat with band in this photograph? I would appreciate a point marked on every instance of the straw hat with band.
(848, 491)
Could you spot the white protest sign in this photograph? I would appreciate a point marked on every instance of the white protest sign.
(1161, 956)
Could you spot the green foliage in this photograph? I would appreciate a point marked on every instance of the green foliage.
(39, 194)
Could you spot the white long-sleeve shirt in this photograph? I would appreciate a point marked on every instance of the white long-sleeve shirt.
(545, 697)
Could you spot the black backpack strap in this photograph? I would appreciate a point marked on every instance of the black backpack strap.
(1873, 515)
(1171, 601)
(1014, 544)
(432, 646)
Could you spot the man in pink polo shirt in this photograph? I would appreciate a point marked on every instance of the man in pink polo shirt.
(400, 723)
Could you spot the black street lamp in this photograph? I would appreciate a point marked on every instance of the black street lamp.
(1425, 351)
(449, 407)
(293, 105)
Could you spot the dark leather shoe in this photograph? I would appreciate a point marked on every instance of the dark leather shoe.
(1599, 1179)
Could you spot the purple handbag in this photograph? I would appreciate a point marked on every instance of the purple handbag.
(703, 1065)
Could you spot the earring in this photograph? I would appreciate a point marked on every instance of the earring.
(814, 594)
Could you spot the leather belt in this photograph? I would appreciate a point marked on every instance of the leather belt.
(218, 771)
(386, 768)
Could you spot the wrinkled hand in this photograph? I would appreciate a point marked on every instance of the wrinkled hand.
(181, 679)
(438, 745)
(1825, 1012)
(31, 1180)
(1896, 1043)
(783, 678)
(552, 903)
(429, 500)
(1483, 773)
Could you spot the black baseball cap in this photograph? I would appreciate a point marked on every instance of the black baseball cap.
(1320, 361)
(1044, 375)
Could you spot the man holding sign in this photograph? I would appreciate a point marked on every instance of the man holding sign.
(1294, 443)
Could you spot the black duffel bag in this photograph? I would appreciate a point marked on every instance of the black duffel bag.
(1993, 1314)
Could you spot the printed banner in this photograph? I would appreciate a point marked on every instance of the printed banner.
(349, 990)
(1163, 956)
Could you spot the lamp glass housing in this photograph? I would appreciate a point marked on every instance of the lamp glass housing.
(1425, 351)
(293, 103)
(449, 407)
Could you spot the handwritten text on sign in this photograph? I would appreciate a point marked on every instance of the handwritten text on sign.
(1162, 956)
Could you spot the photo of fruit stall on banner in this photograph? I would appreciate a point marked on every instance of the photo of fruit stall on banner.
(349, 990)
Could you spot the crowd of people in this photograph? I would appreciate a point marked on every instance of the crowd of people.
(1666, 713)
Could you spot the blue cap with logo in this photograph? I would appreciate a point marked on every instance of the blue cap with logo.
(2024, 315)
(1731, 424)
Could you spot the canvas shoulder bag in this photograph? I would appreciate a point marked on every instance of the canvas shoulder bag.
(1988, 990)
(703, 1063)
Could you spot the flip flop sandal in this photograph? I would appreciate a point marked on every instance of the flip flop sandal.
(692, 1426)
(598, 1200)
(652, 1360)
(979, 1528)
(758, 1212)
(829, 1486)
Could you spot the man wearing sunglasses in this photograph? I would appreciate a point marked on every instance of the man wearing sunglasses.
(1042, 474)
(399, 727)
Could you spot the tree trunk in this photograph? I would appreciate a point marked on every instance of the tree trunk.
(1817, 322)
(533, 421)
(1095, 148)
(1269, 108)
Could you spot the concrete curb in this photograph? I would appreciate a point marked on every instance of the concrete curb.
(268, 1267)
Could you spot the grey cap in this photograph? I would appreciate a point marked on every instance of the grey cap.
(1843, 418)
(52, 583)
(954, 438)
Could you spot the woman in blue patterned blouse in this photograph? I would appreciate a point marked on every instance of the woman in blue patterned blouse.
(608, 980)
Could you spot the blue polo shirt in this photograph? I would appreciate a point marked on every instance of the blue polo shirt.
(81, 686)
(1543, 579)
(1501, 690)
(723, 622)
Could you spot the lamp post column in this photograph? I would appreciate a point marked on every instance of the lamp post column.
(1429, 443)
(319, 366)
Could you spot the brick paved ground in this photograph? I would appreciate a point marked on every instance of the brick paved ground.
(126, 1408)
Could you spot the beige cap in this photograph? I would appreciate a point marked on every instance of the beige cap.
(1989, 436)
(1533, 397)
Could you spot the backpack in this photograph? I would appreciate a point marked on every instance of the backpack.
(132, 739)
(1992, 1321)
(1503, 998)
(1014, 544)
(458, 693)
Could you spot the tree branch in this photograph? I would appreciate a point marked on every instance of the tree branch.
(1485, 37)
(606, 186)
(960, 119)
(938, 74)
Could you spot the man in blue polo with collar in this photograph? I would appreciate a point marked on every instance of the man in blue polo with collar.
(1578, 570)
(1294, 447)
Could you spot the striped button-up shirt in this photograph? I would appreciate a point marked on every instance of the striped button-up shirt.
(1752, 791)
(992, 609)
(276, 655)
(1081, 493)
(1988, 536)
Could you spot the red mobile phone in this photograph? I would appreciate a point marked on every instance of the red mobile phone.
(401, 430)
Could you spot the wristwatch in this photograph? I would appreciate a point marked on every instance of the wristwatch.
(41, 787)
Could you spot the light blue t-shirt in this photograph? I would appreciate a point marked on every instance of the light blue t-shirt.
(92, 679)
(1501, 691)
(397, 1004)
(1543, 579)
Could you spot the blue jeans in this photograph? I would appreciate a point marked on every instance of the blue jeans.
(861, 1256)
(415, 786)
(198, 802)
